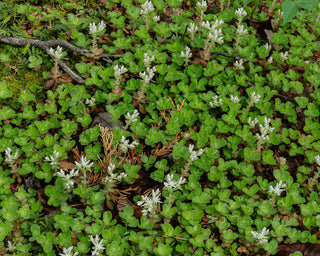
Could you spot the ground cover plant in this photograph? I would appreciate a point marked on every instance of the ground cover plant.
(159, 127)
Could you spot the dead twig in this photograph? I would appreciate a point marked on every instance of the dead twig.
(45, 45)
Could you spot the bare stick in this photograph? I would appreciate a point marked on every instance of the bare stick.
(45, 45)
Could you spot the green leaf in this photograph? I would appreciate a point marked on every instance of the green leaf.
(290, 10)
(307, 4)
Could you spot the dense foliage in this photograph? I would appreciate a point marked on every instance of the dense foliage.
(163, 128)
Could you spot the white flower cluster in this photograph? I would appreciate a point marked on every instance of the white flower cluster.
(215, 34)
(238, 64)
(215, 101)
(192, 29)
(262, 236)
(270, 60)
(118, 71)
(202, 5)
(234, 99)
(317, 159)
(268, 47)
(94, 29)
(68, 182)
(148, 74)
(241, 31)
(255, 98)
(147, 59)
(147, 7)
(57, 54)
(97, 245)
(265, 130)
(114, 177)
(84, 164)
(68, 252)
(156, 18)
(124, 144)
(53, 159)
(282, 160)
(240, 13)
(194, 154)
(172, 184)
(284, 55)
(91, 102)
(9, 157)
(252, 122)
(149, 204)
(280, 186)
(187, 54)
(132, 118)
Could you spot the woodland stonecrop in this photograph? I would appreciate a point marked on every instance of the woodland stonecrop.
(83, 166)
(97, 245)
(95, 30)
(194, 155)
(214, 36)
(192, 29)
(68, 252)
(149, 204)
(261, 237)
(240, 31)
(68, 182)
(147, 9)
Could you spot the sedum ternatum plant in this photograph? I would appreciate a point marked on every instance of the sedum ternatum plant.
(171, 128)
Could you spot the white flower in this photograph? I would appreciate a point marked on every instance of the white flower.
(238, 64)
(255, 97)
(68, 252)
(156, 18)
(11, 247)
(282, 160)
(317, 159)
(262, 236)
(278, 189)
(93, 28)
(147, 60)
(10, 159)
(234, 99)
(284, 55)
(216, 36)
(56, 53)
(68, 182)
(216, 101)
(90, 102)
(216, 24)
(270, 60)
(84, 164)
(118, 71)
(187, 54)
(53, 159)
(147, 7)
(149, 204)
(240, 13)
(267, 46)
(280, 13)
(172, 184)
(148, 74)
(98, 247)
(132, 118)
(194, 154)
(241, 30)
(192, 28)
(205, 24)
(202, 5)
(124, 144)
(252, 122)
